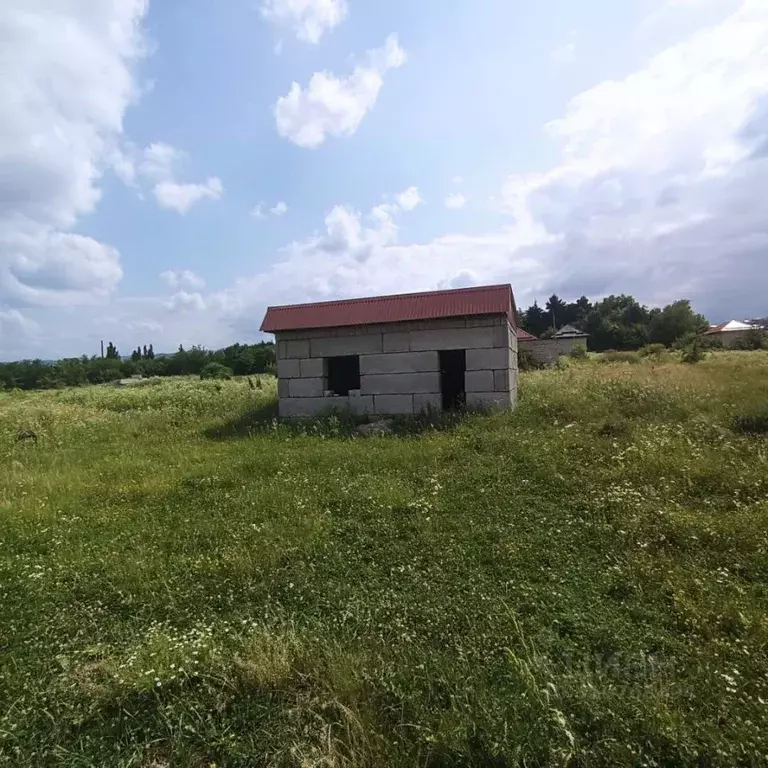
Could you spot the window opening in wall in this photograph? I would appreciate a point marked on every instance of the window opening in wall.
(453, 364)
(342, 374)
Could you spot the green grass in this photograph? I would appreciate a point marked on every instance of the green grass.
(584, 582)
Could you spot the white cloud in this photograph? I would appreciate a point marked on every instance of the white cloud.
(66, 84)
(335, 106)
(409, 199)
(158, 161)
(658, 193)
(259, 211)
(158, 164)
(186, 302)
(455, 201)
(181, 197)
(47, 267)
(182, 278)
(458, 179)
(309, 19)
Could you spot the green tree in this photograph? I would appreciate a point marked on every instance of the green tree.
(754, 338)
(535, 320)
(673, 322)
(112, 353)
(557, 312)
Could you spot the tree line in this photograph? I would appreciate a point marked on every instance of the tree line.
(616, 322)
(241, 359)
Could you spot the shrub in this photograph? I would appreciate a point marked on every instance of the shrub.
(612, 356)
(754, 338)
(652, 350)
(216, 371)
(753, 422)
(579, 352)
(711, 342)
(526, 361)
(694, 352)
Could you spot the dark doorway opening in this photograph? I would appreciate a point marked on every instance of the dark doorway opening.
(343, 373)
(453, 364)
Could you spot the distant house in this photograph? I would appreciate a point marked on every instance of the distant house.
(397, 354)
(569, 332)
(729, 333)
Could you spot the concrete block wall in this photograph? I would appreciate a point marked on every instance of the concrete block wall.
(546, 351)
(399, 365)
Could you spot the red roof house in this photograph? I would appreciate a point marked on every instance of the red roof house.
(397, 354)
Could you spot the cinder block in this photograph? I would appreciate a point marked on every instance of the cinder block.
(423, 402)
(400, 383)
(312, 367)
(288, 369)
(293, 407)
(478, 381)
(396, 342)
(456, 338)
(281, 351)
(501, 336)
(361, 404)
(393, 404)
(399, 362)
(484, 320)
(298, 348)
(489, 401)
(346, 345)
(487, 359)
(305, 388)
(282, 387)
(501, 381)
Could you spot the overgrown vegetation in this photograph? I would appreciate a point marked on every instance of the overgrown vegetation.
(241, 359)
(186, 582)
(615, 323)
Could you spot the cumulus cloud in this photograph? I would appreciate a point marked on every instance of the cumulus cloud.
(409, 199)
(260, 211)
(182, 278)
(658, 193)
(658, 188)
(158, 164)
(185, 302)
(181, 197)
(455, 201)
(308, 19)
(335, 106)
(62, 101)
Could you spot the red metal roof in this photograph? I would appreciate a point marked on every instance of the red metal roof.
(462, 302)
(525, 336)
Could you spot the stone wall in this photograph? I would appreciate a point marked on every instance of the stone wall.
(546, 351)
(399, 365)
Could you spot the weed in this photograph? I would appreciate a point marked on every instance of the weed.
(753, 422)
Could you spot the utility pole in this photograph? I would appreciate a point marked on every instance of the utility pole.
(102, 349)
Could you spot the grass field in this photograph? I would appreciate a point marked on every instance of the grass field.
(583, 582)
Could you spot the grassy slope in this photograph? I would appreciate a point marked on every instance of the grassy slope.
(584, 579)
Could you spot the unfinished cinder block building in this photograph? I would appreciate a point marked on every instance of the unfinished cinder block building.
(397, 354)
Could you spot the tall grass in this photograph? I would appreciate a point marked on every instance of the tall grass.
(186, 582)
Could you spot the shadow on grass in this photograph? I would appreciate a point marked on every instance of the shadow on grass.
(251, 421)
(335, 423)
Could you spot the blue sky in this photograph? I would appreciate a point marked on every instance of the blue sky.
(169, 169)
